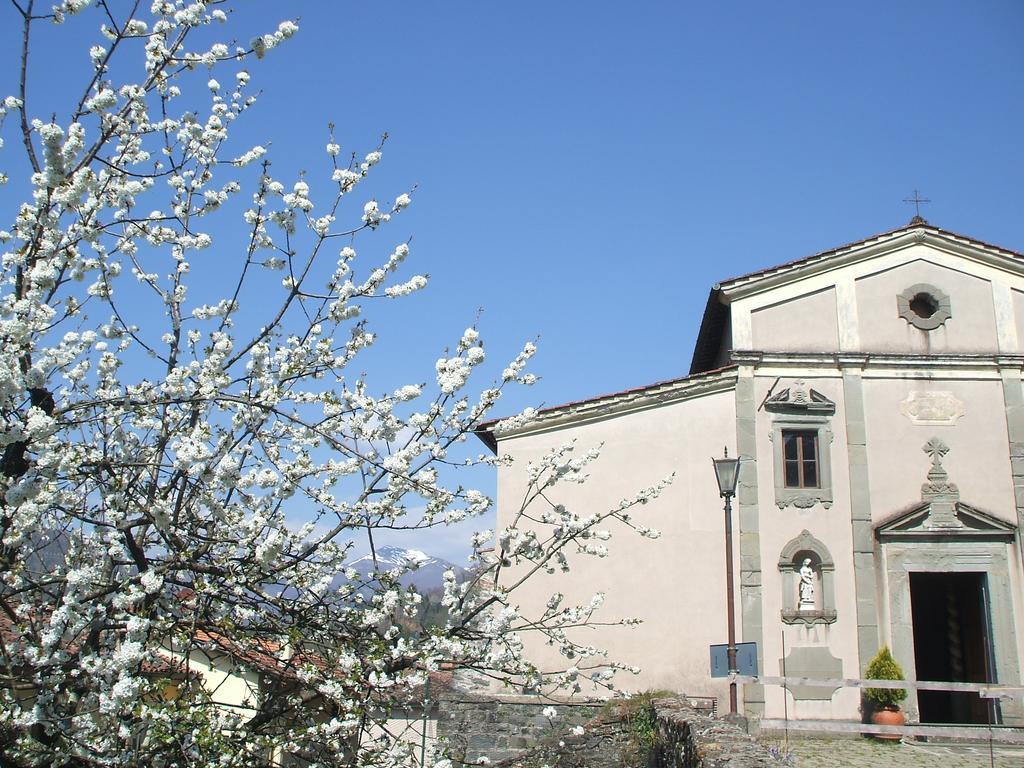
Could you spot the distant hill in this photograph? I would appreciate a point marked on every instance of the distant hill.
(424, 572)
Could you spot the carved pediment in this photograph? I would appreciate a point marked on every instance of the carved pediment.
(966, 522)
(799, 398)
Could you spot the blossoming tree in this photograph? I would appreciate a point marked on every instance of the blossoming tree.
(157, 448)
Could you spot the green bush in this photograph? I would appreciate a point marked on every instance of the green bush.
(884, 667)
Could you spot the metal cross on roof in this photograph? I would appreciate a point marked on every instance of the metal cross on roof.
(916, 200)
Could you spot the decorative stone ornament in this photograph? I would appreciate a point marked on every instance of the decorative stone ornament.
(924, 306)
(801, 501)
(938, 491)
(935, 409)
(798, 398)
(941, 514)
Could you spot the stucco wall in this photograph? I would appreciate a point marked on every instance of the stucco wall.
(970, 329)
(674, 584)
(806, 323)
(978, 460)
(226, 684)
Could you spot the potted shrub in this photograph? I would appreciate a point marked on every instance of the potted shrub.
(885, 701)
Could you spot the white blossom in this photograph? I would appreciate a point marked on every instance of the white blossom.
(373, 216)
(195, 446)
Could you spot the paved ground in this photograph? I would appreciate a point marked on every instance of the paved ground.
(869, 753)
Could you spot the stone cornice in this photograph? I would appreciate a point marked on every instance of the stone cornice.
(616, 404)
(828, 363)
(876, 360)
(791, 616)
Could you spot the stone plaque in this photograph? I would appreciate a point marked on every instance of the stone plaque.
(815, 662)
(939, 408)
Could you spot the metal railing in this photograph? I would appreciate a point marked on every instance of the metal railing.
(1000, 734)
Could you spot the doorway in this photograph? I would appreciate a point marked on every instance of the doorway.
(953, 643)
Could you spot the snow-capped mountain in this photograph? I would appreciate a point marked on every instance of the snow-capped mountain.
(421, 570)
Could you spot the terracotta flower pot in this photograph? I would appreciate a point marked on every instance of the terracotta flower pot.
(888, 716)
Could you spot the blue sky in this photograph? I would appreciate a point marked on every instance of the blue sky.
(586, 171)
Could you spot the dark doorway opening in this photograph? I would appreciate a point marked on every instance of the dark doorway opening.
(953, 643)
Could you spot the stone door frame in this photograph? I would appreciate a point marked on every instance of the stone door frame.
(992, 558)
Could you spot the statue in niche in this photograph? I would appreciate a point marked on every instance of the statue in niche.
(806, 595)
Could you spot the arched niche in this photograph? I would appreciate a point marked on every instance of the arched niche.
(791, 560)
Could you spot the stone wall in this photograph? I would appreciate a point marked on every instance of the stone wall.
(500, 728)
(690, 739)
(605, 743)
(516, 731)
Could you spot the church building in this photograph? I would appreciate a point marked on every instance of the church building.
(873, 393)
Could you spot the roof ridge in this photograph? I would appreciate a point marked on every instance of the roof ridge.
(913, 225)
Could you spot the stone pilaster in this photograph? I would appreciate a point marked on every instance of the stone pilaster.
(1013, 398)
(751, 616)
(865, 581)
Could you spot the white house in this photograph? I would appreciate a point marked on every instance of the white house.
(874, 394)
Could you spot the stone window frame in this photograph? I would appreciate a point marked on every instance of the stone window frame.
(942, 313)
(800, 443)
(792, 554)
(803, 498)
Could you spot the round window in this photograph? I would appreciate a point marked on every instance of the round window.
(924, 306)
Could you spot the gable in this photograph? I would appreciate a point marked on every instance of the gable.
(855, 298)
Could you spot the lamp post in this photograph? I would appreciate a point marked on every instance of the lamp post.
(727, 472)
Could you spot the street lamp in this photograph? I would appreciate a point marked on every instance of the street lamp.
(727, 472)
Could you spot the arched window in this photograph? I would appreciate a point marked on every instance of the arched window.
(808, 589)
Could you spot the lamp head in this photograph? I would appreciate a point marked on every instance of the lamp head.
(727, 472)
